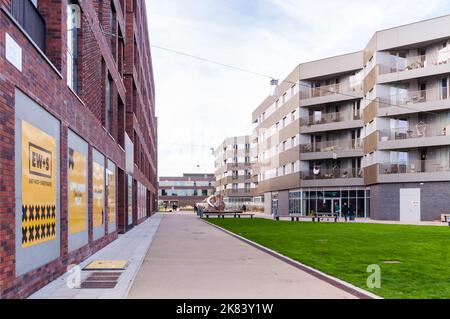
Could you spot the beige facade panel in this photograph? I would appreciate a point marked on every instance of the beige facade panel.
(370, 80)
(289, 156)
(333, 65)
(290, 130)
(370, 49)
(370, 142)
(371, 174)
(279, 183)
(414, 33)
(370, 111)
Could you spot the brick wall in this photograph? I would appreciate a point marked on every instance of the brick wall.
(43, 79)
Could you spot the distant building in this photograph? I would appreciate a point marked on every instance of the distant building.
(233, 171)
(184, 191)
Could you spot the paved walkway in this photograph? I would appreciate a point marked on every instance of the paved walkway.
(189, 258)
(131, 246)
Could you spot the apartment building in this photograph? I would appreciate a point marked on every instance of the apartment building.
(406, 113)
(185, 191)
(367, 129)
(78, 126)
(233, 171)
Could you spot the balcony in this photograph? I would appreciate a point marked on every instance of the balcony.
(332, 177)
(414, 171)
(331, 93)
(396, 68)
(330, 122)
(332, 146)
(399, 64)
(31, 20)
(426, 166)
(420, 135)
(413, 101)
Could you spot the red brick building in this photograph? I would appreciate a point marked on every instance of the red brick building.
(77, 133)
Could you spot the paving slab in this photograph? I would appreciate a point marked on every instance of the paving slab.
(190, 258)
(131, 246)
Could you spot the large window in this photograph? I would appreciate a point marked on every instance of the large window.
(73, 24)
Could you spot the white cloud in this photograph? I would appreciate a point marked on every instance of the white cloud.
(199, 104)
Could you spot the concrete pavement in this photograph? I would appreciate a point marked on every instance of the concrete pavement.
(189, 258)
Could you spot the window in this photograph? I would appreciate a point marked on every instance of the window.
(108, 104)
(73, 24)
(284, 121)
(293, 141)
(284, 169)
(284, 98)
(284, 146)
(292, 167)
(293, 116)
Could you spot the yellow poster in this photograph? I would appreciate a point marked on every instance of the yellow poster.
(38, 186)
(77, 192)
(98, 194)
(111, 197)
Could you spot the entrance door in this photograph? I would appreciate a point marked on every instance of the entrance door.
(410, 204)
(332, 205)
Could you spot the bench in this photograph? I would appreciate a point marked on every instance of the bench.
(298, 216)
(321, 216)
(245, 214)
(223, 214)
(447, 218)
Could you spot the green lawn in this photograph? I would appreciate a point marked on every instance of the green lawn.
(344, 250)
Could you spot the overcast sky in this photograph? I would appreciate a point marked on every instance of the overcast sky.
(199, 104)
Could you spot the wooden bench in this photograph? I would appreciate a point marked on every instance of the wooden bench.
(321, 216)
(298, 216)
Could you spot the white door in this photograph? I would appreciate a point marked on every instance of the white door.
(410, 204)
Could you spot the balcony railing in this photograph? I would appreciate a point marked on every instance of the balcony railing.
(413, 97)
(417, 166)
(30, 19)
(418, 131)
(332, 173)
(324, 118)
(399, 64)
(344, 87)
(331, 146)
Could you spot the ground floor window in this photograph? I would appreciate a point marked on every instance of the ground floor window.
(309, 201)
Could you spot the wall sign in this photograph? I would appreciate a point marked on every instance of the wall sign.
(77, 191)
(38, 186)
(13, 52)
(98, 187)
